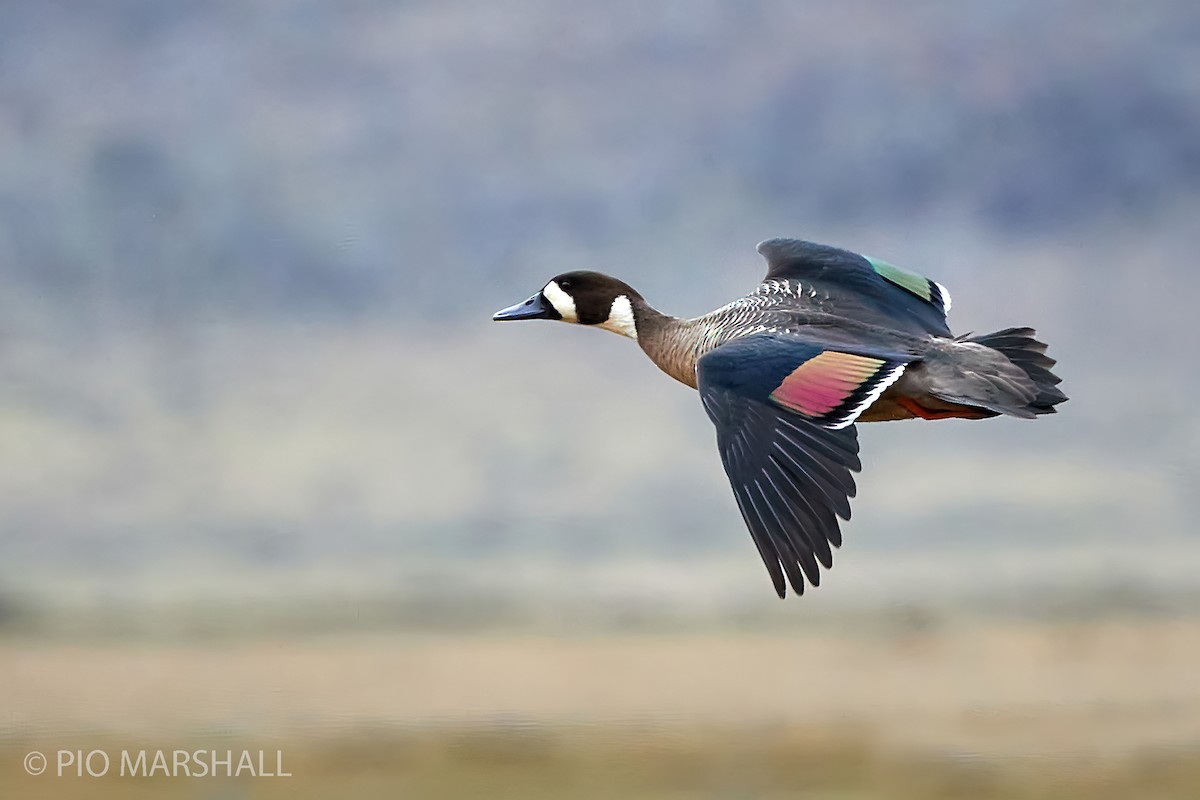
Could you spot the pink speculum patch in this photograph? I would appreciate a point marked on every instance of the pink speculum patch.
(823, 383)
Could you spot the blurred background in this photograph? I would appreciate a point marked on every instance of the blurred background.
(271, 475)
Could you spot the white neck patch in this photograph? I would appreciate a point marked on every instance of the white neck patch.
(620, 318)
(563, 303)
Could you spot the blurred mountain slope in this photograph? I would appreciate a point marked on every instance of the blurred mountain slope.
(249, 253)
(224, 157)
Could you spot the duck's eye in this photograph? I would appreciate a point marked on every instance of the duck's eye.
(564, 284)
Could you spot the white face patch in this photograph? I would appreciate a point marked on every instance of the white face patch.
(620, 318)
(563, 303)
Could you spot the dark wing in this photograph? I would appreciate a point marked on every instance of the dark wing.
(784, 409)
(862, 287)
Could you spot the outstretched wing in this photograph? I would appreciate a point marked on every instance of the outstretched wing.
(783, 408)
(862, 287)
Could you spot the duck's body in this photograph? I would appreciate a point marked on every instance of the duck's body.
(829, 338)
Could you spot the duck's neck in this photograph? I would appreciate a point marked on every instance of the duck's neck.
(673, 344)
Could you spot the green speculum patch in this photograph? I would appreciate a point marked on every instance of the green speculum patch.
(916, 284)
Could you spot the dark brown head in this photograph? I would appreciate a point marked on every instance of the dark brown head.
(588, 298)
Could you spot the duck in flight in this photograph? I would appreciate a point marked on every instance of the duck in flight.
(829, 338)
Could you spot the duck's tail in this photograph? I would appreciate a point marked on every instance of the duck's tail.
(1026, 352)
(1006, 372)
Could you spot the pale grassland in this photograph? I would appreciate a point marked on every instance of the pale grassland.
(674, 762)
(1103, 710)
